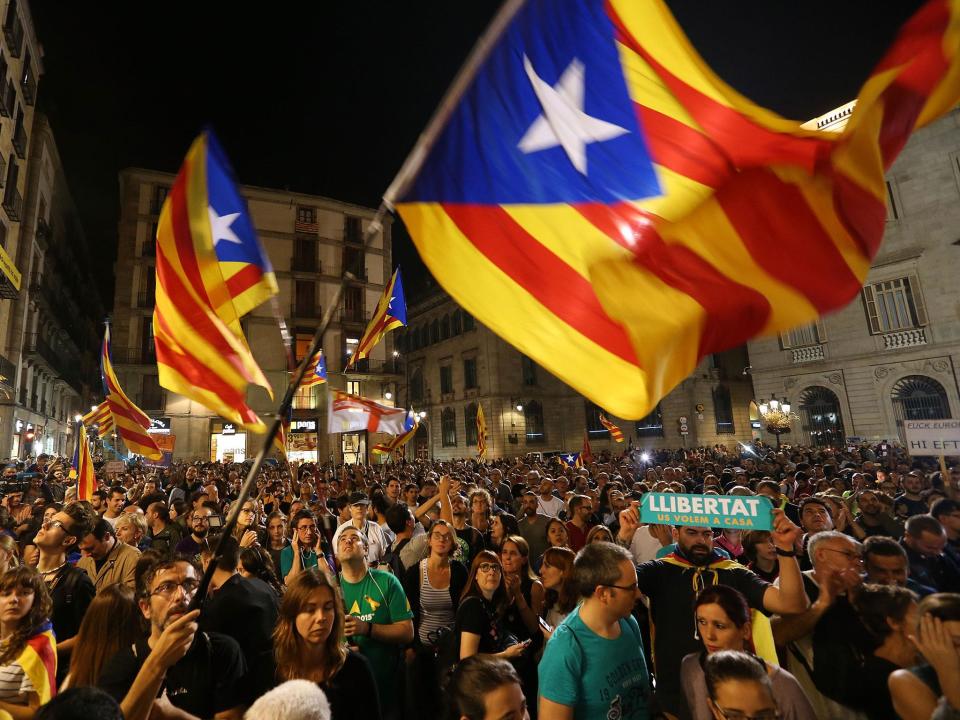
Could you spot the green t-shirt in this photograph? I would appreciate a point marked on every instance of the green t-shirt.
(379, 598)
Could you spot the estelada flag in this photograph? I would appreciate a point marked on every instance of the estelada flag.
(130, 421)
(211, 270)
(615, 432)
(317, 371)
(391, 313)
(596, 195)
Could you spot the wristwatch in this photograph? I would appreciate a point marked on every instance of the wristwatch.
(785, 553)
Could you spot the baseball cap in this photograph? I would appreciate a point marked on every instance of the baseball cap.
(359, 498)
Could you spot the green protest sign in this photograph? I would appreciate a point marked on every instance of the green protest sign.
(736, 512)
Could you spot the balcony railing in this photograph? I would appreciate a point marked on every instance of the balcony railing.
(146, 299)
(375, 367)
(8, 98)
(353, 316)
(134, 356)
(13, 204)
(301, 310)
(811, 353)
(20, 140)
(44, 231)
(904, 339)
(29, 86)
(305, 263)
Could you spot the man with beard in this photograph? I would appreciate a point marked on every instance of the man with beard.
(105, 559)
(671, 584)
(533, 524)
(910, 502)
(872, 519)
(196, 541)
(201, 674)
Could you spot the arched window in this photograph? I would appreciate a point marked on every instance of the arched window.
(468, 323)
(416, 385)
(445, 327)
(723, 410)
(470, 424)
(448, 427)
(456, 326)
(651, 425)
(434, 332)
(917, 397)
(595, 428)
(820, 415)
(533, 418)
(424, 336)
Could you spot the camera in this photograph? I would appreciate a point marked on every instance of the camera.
(215, 521)
(18, 483)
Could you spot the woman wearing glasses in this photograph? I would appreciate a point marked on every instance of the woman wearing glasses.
(433, 587)
(479, 622)
(721, 619)
(309, 645)
(739, 688)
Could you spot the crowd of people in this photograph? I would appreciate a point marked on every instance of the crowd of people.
(500, 589)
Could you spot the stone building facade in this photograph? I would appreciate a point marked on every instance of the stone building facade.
(893, 352)
(453, 364)
(309, 240)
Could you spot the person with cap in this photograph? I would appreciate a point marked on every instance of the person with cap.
(377, 544)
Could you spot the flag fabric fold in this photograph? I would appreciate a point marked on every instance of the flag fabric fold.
(83, 465)
(481, 433)
(349, 413)
(391, 313)
(316, 372)
(615, 433)
(586, 455)
(101, 418)
(130, 421)
(280, 439)
(39, 662)
(598, 188)
(571, 460)
(395, 444)
(211, 270)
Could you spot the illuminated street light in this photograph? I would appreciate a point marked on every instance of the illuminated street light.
(776, 416)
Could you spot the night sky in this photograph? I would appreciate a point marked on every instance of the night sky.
(328, 97)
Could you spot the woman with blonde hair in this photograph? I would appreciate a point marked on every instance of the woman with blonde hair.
(112, 621)
(308, 644)
(9, 553)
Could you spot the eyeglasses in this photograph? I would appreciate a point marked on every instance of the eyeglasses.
(445, 537)
(310, 528)
(851, 555)
(489, 567)
(737, 715)
(47, 524)
(632, 588)
(168, 588)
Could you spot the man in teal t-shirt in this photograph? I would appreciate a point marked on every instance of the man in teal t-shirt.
(594, 660)
(379, 620)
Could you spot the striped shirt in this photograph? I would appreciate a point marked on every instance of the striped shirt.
(15, 684)
(436, 607)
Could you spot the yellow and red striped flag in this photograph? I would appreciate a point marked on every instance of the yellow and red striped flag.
(596, 195)
(586, 454)
(211, 270)
(391, 313)
(83, 464)
(280, 439)
(615, 432)
(101, 417)
(481, 433)
(317, 371)
(131, 422)
(394, 444)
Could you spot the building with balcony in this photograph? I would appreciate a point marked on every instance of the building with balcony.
(452, 365)
(310, 241)
(892, 353)
(54, 322)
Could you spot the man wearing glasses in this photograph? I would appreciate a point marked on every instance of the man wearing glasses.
(581, 510)
(199, 524)
(593, 666)
(71, 589)
(168, 671)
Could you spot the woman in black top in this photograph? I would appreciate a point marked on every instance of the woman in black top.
(277, 538)
(479, 626)
(309, 645)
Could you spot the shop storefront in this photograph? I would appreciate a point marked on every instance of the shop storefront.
(353, 446)
(227, 442)
(302, 441)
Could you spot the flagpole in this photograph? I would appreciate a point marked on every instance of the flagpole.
(411, 166)
(250, 481)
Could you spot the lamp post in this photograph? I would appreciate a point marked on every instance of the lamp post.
(776, 416)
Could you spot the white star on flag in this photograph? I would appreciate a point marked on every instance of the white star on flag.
(220, 227)
(563, 121)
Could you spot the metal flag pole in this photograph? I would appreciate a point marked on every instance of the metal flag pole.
(375, 226)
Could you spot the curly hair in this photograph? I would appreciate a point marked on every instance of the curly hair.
(24, 577)
(287, 641)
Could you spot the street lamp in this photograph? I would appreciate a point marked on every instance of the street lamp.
(776, 416)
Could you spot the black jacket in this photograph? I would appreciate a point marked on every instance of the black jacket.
(411, 585)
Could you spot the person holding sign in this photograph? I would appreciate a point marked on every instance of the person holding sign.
(671, 584)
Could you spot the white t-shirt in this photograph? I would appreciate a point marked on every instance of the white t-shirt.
(644, 546)
(15, 684)
(551, 507)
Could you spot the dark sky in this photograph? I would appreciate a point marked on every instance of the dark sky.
(328, 97)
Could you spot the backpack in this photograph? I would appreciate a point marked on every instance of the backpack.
(391, 560)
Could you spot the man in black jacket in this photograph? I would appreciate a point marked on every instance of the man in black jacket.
(245, 609)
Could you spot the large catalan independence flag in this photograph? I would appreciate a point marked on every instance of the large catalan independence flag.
(211, 270)
(391, 313)
(130, 421)
(601, 199)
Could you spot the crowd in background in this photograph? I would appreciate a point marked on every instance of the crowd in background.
(485, 590)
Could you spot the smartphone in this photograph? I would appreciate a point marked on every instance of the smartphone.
(545, 625)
